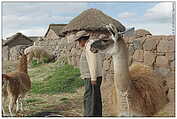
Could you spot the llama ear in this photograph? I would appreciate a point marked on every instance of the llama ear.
(113, 27)
(21, 52)
(113, 31)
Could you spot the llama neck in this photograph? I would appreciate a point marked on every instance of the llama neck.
(121, 70)
(22, 66)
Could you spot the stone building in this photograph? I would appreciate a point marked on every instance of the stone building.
(53, 31)
(13, 44)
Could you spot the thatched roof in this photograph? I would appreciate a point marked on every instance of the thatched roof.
(91, 20)
(15, 37)
(56, 28)
(141, 33)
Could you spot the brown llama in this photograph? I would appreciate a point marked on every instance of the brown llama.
(15, 85)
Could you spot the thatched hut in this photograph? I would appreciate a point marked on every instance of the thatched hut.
(13, 44)
(92, 20)
(53, 31)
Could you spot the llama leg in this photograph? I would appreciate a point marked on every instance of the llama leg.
(3, 106)
(114, 106)
(11, 106)
(17, 102)
(21, 103)
(39, 60)
(122, 101)
(30, 59)
(124, 104)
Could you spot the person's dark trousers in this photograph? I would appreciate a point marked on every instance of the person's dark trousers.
(92, 98)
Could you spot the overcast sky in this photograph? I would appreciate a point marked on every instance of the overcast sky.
(33, 18)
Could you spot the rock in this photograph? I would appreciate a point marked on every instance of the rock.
(162, 71)
(74, 51)
(150, 44)
(149, 58)
(138, 56)
(162, 61)
(70, 38)
(172, 65)
(130, 60)
(160, 54)
(106, 65)
(137, 44)
(170, 56)
(171, 80)
(131, 50)
(141, 33)
(166, 46)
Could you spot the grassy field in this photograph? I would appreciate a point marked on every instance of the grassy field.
(63, 79)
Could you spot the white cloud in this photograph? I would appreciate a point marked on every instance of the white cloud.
(27, 16)
(34, 32)
(37, 31)
(154, 28)
(162, 12)
(13, 24)
(157, 19)
(125, 15)
(43, 8)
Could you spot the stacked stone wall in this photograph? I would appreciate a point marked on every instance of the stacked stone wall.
(155, 51)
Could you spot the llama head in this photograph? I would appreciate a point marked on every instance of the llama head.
(108, 46)
(22, 56)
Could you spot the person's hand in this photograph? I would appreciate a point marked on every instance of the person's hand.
(93, 82)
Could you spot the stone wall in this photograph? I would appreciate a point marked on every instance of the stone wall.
(5, 53)
(65, 49)
(155, 51)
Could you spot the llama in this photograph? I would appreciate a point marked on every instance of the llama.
(137, 91)
(15, 85)
(39, 53)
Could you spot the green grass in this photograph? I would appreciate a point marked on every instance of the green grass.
(35, 64)
(65, 79)
(32, 100)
